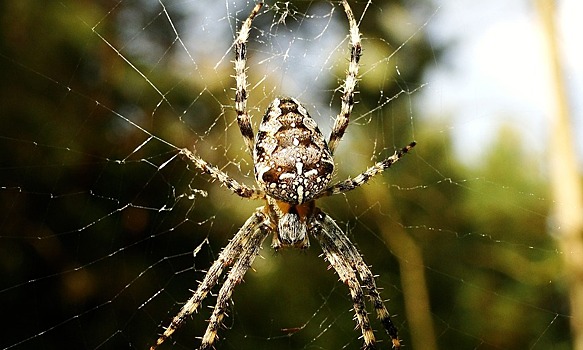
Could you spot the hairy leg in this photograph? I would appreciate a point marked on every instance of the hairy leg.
(239, 189)
(228, 256)
(350, 184)
(338, 256)
(248, 254)
(240, 45)
(357, 263)
(342, 119)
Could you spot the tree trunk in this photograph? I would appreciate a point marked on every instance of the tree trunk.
(566, 188)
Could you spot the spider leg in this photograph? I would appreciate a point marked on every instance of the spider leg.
(337, 254)
(350, 184)
(343, 117)
(240, 45)
(356, 261)
(232, 184)
(229, 255)
(250, 250)
(381, 310)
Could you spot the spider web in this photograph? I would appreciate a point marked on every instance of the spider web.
(105, 230)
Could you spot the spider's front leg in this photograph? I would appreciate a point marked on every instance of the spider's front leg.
(339, 262)
(347, 262)
(238, 249)
(240, 267)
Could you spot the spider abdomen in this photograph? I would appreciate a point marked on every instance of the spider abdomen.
(291, 156)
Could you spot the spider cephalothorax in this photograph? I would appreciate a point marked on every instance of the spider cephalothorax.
(292, 222)
(293, 168)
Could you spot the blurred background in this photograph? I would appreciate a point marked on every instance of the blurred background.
(104, 230)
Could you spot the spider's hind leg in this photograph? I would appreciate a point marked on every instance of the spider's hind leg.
(240, 46)
(335, 255)
(350, 81)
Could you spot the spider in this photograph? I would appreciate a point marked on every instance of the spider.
(293, 168)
